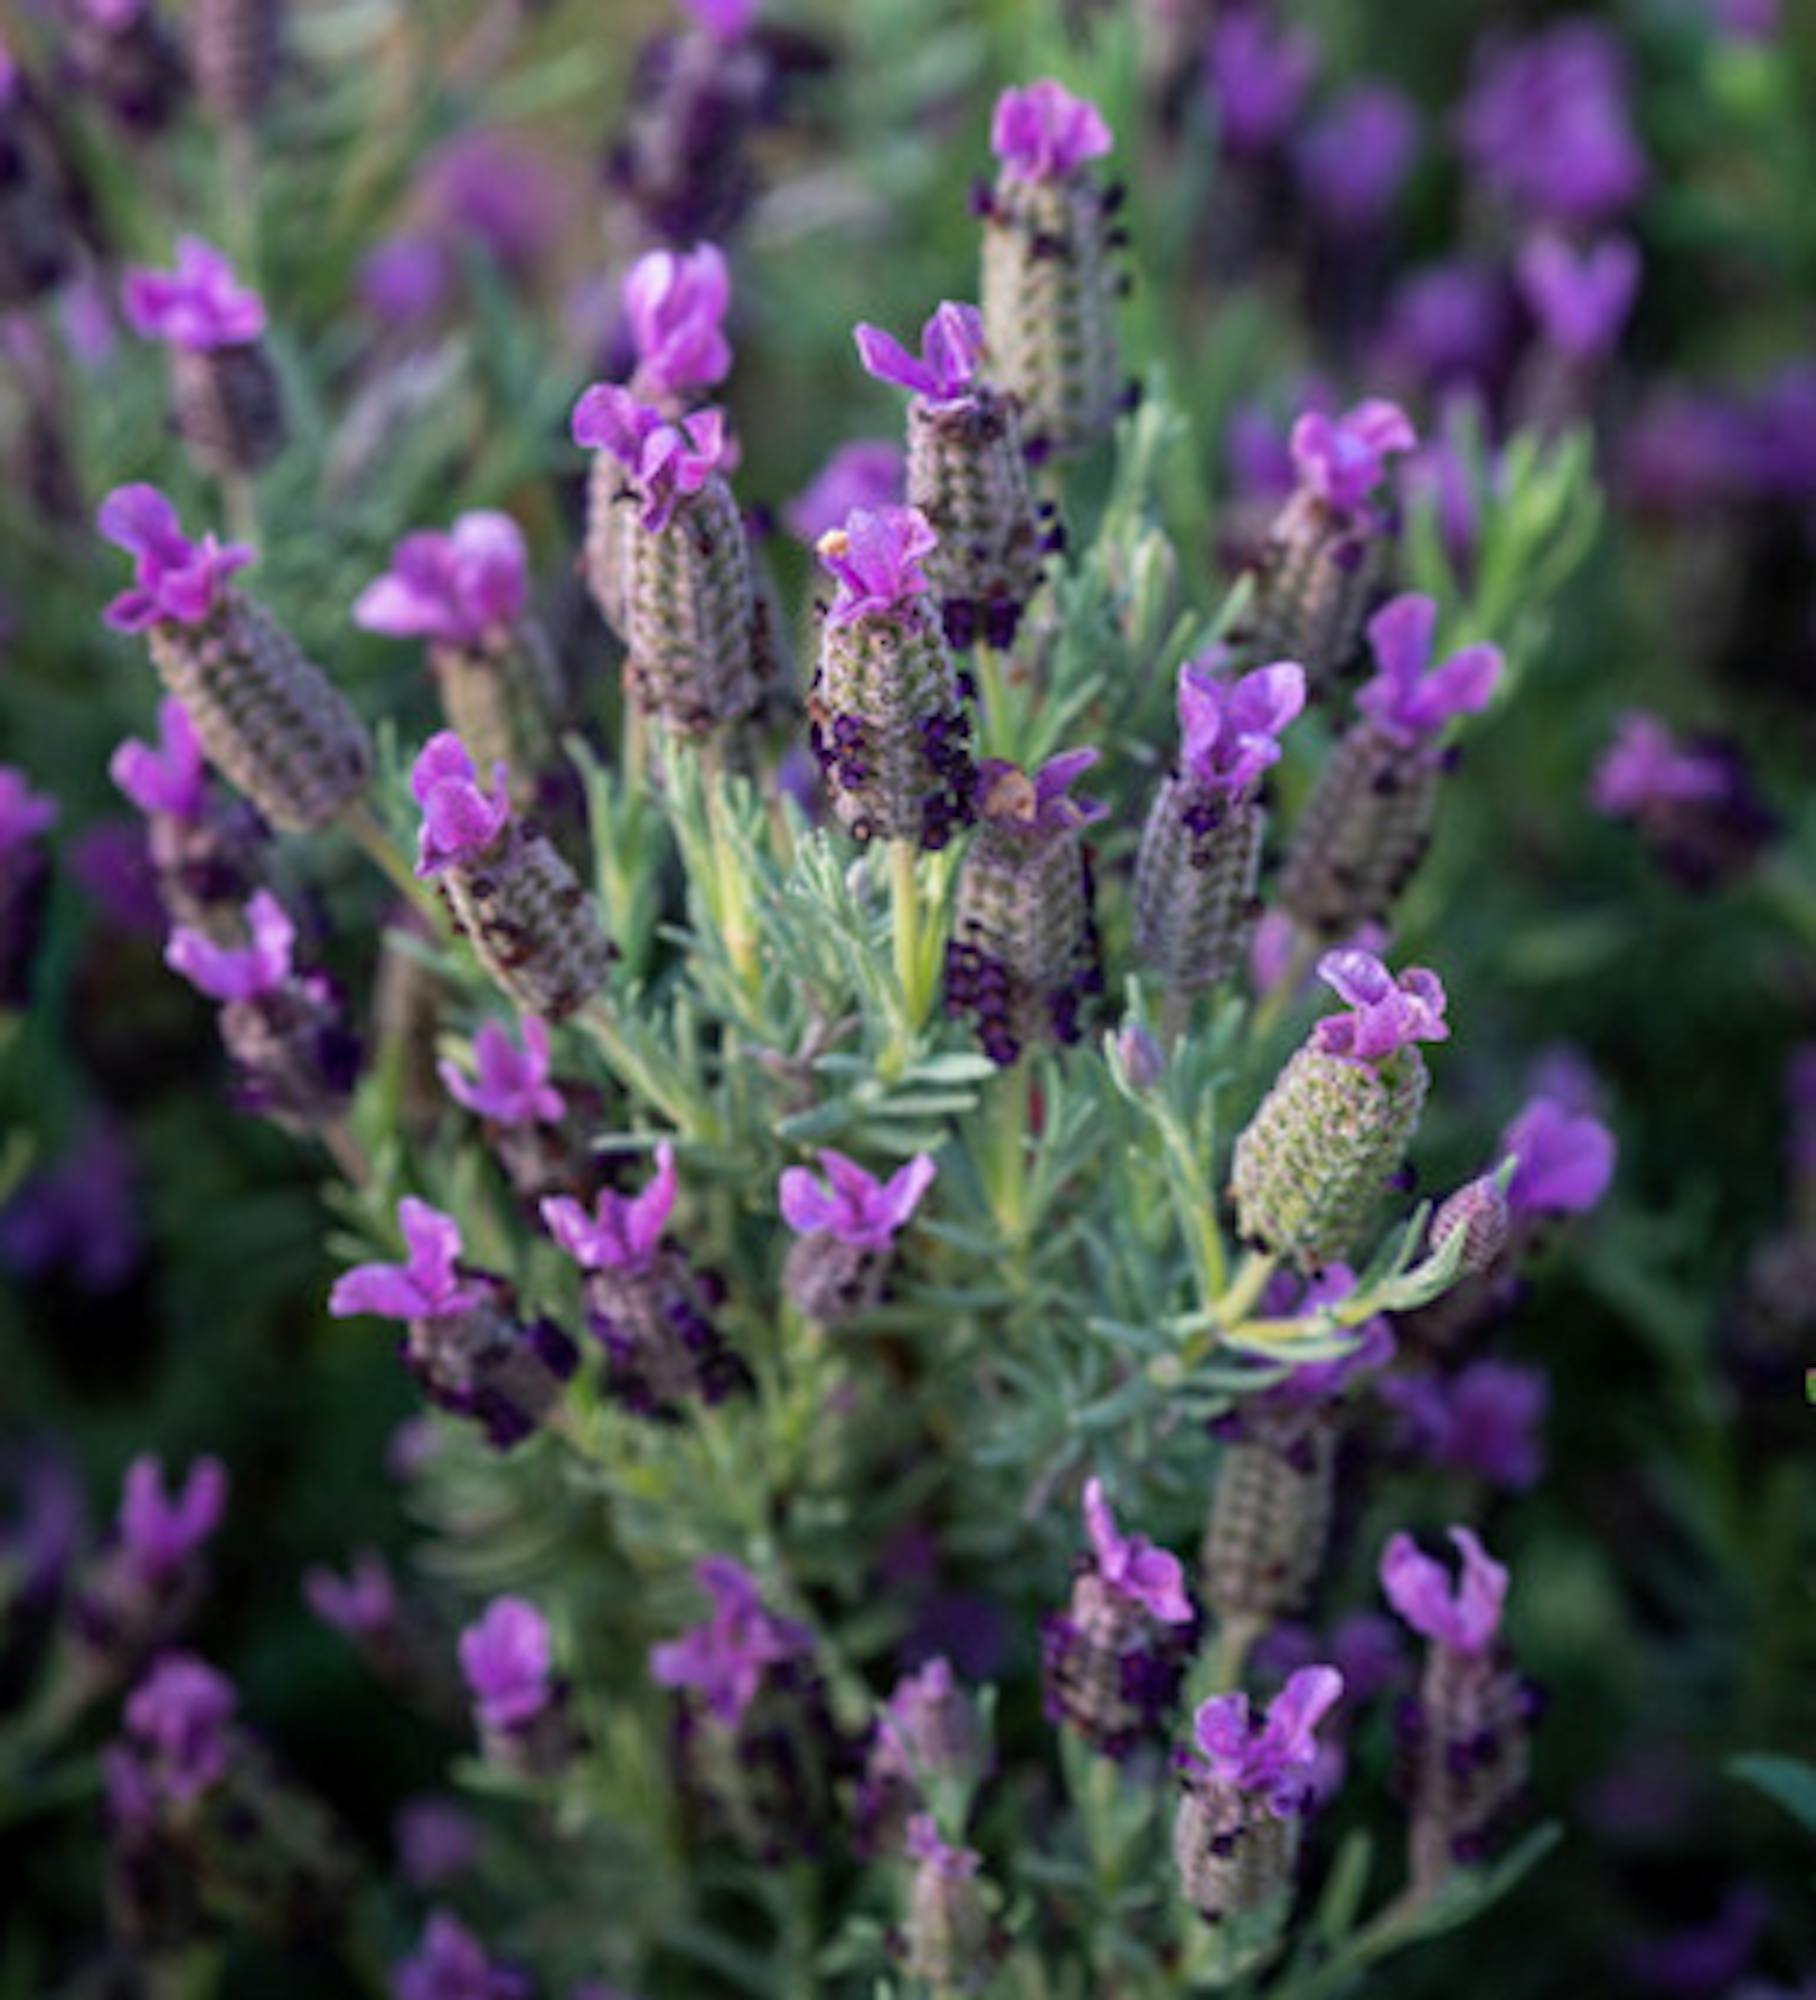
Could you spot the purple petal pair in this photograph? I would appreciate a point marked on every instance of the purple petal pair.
(177, 581)
(1386, 1014)
(462, 588)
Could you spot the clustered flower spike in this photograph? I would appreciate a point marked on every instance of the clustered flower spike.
(199, 305)
(512, 1085)
(724, 1660)
(676, 302)
(459, 820)
(427, 1286)
(624, 1232)
(1405, 701)
(1272, 1758)
(1018, 801)
(1563, 1160)
(461, 588)
(1581, 300)
(1041, 132)
(170, 777)
(666, 460)
(1132, 1566)
(1387, 1013)
(947, 368)
(177, 581)
(851, 1204)
(1230, 729)
(160, 1530)
(506, 1660)
(875, 559)
(1343, 459)
(230, 973)
(1465, 1618)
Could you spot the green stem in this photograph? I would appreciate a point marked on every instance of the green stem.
(1250, 1281)
(1236, 1637)
(997, 736)
(379, 848)
(1285, 990)
(1008, 1112)
(905, 921)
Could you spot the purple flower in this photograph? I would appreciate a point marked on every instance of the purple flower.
(1259, 76)
(1564, 1160)
(1449, 322)
(179, 1713)
(463, 588)
(1272, 1759)
(512, 1086)
(1261, 466)
(852, 1205)
(198, 305)
(1546, 125)
(1039, 802)
(426, 1287)
(726, 1658)
(952, 346)
(159, 1531)
(1041, 132)
(24, 814)
(1467, 1619)
(170, 779)
(496, 189)
(1132, 1566)
(238, 972)
(667, 461)
(675, 302)
(1409, 698)
(1342, 459)
(726, 21)
(925, 1845)
(449, 1963)
(459, 820)
(359, 1605)
(1645, 767)
(405, 279)
(506, 1659)
(1580, 299)
(624, 1232)
(1388, 1013)
(867, 474)
(1355, 159)
(875, 559)
(1485, 1420)
(1230, 728)
(436, 1841)
(111, 860)
(79, 1214)
(176, 579)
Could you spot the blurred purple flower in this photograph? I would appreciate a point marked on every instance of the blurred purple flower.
(1645, 766)
(502, 192)
(459, 820)
(229, 972)
(427, 1286)
(512, 1085)
(405, 279)
(359, 1605)
(1485, 1420)
(866, 475)
(1466, 1619)
(1565, 1160)
(79, 1214)
(624, 1232)
(1448, 322)
(437, 1841)
(1041, 132)
(1037, 802)
(461, 588)
(179, 1714)
(1702, 1958)
(1387, 1013)
(170, 778)
(851, 1204)
(111, 859)
(875, 559)
(160, 1531)
(1132, 1566)
(1354, 159)
(1271, 1758)
(24, 814)
(1343, 459)
(666, 460)
(1259, 76)
(1408, 698)
(946, 369)
(1581, 299)
(199, 305)
(725, 1658)
(1230, 729)
(177, 579)
(507, 1659)
(675, 303)
(725, 21)
(449, 1963)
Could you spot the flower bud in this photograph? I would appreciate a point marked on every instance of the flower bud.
(1479, 1211)
(947, 1939)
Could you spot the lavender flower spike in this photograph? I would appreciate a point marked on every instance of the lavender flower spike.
(676, 302)
(1465, 1740)
(270, 720)
(1367, 827)
(1113, 1660)
(1200, 855)
(229, 404)
(888, 727)
(450, 1963)
(512, 1085)
(161, 1532)
(967, 472)
(1580, 302)
(847, 1225)
(531, 925)
(1048, 288)
(1247, 1786)
(645, 1303)
(1313, 1162)
(667, 557)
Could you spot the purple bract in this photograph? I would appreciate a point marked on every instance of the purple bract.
(177, 581)
(1041, 132)
(1581, 299)
(360, 1604)
(463, 588)
(945, 371)
(624, 1232)
(1343, 459)
(24, 814)
(1259, 76)
(1646, 766)
(449, 1963)
(1018, 801)
(1132, 1566)
(1230, 729)
(1409, 699)
(1272, 1759)
(666, 460)
(851, 1204)
(1419, 1588)
(875, 559)
(170, 778)
(198, 305)
(161, 1531)
(725, 1659)
(1387, 1013)
(512, 1084)
(179, 1713)
(1355, 158)
(426, 1286)
(1564, 1160)
(238, 972)
(459, 820)
(1484, 1421)
(675, 302)
(506, 1659)
(868, 474)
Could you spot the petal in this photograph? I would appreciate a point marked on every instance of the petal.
(885, 359)
(1481, 1593)
(1400, 635)
(442, 760)
(1264, 702)
(647, 1217)
(572, 1228)
(383, 1290)
(903, 1190)
(1356, 976)
(1383, 426)
(952, 342)
(139, 519)
(1222, 1728)
(806, 1205)
(1100, 1525)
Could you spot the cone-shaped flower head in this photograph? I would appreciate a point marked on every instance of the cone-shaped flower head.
(875, 562)
(1270, 1758)
(666, 461)
(1386, 1014)
(852, 1205)
(229, 973)
(1563, 1160)
(170, 777)
(1409, 699)
(428, 1285)
(1581, 300)
(1479, 1211)
(199, 305)
(460, 821)
(161, 1530)
(1464, 1616)
(511, 1085)
(507, 1660)
(1041, 132)
(724, 1660)
(676, 302)
(176, 581)
(462, 588)
(179, 1716)
(1341, 460)
(948, 366)
(623, 1233)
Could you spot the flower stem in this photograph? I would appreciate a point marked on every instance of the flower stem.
(379, 848)
(905, 922)
(1009, 1106)
(1229, 1653)
(1245, 1288)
